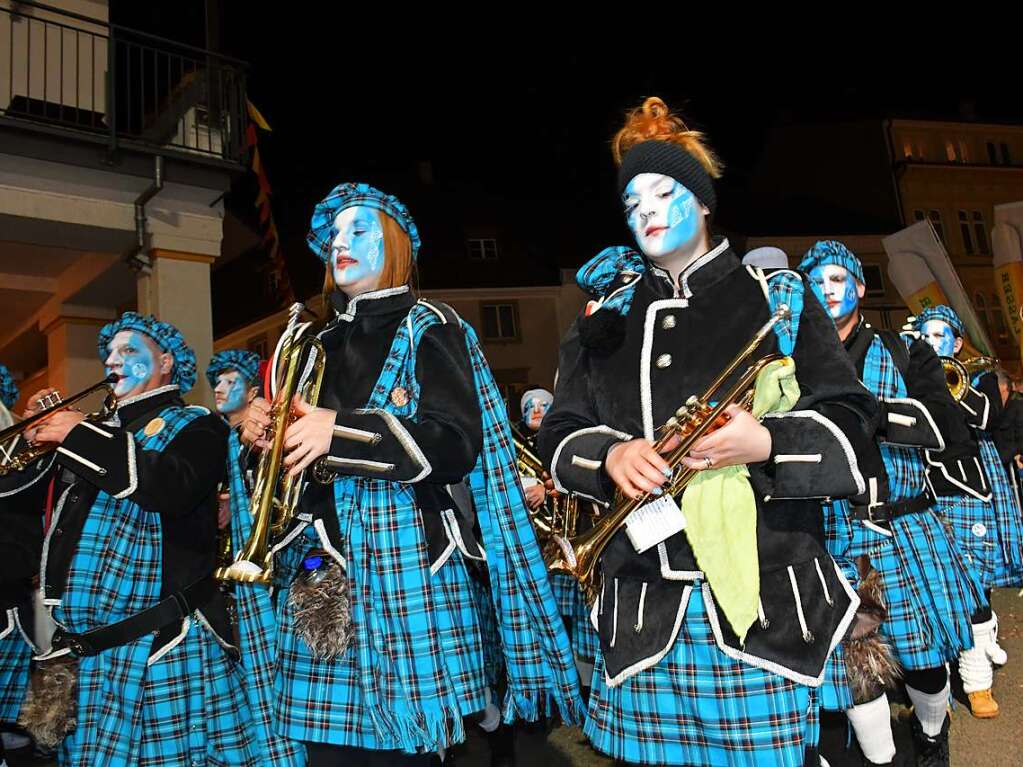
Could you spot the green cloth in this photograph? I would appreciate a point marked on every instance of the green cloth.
(721, 513)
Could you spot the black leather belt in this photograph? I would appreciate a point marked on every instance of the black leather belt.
(174, 608)
(886, 512)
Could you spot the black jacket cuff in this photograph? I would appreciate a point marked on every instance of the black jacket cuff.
(977, 408)
(376, 444)
(811, 457)
(102, 455)
(578, 463)
(907, 422)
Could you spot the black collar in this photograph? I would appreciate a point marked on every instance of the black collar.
(134, 412)
(704, 271)
(374, 303)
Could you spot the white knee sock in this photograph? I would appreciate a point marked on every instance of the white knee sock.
(930, 709)
(974, 664)
(872, 723)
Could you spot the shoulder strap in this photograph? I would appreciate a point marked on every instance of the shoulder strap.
(896, 347)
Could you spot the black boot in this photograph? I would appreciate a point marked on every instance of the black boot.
(931, 752)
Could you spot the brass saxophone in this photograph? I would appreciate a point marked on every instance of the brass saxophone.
(578, 556)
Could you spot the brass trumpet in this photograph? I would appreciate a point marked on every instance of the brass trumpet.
(18, 461)
(529, 464)
(275, 494)
(578, 556)
(959, 374)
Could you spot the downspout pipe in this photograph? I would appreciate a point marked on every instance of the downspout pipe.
(136, 257)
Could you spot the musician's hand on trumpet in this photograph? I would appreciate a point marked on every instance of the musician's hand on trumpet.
(36, 404)
(256, 422)
(309, 436)
(742, 440)
(54, 430)
(637, 468)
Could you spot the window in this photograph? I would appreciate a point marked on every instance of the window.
(992, 317)
(955, 151)
(874, 280)
(992, 154)
(980, 230)
(935, 219)
(482, 250)
(964, 230)
(950, 151)
(1006, 159)
(500, 322)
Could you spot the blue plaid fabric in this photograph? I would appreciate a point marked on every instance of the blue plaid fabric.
(8, 389)
(15, 654)
(166, 336)
(565, 589)
(989, 532)
(786, 287)
(245, 362)
(697, 706)
(412, 697)
(596, 276)
(928, 588)
(257, 632)
(184, 706)
(348, 195)
(905, 465)
(572, 605)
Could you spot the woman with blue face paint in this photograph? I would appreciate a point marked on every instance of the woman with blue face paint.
(382, 648)
(127, 569)
(986, 524)
(927, 584)
(710, 652)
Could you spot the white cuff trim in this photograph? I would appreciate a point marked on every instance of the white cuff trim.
(902, 420)
(85, 462)
(406, 441)
(585, 463)
(95, 428)
(814, 458)
(186, 624)
(926, 413)
(358, 463)
(357, 435)
(133, 474)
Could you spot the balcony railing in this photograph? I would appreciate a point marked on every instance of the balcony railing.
(69, 72)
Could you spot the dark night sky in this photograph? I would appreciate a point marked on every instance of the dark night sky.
(519, 129)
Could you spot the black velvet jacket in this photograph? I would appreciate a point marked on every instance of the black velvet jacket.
(179, 483)
(22, 508)
(436, 450)
(676, 340)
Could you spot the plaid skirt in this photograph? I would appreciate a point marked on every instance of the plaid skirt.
(15, 655)
(928, 588)
(322, 702)
(257, 642)
(989, 533)
(697, 706)
(190, 708)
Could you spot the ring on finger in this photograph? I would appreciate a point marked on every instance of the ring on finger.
(708, 461)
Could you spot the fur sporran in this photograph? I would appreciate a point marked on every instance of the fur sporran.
(320, 600)
(50, 709)
(869, 660)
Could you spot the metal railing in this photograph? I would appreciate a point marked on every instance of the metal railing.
(71, 72)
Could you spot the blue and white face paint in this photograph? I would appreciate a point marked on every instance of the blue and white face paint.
(837, 290)
(940, 336)
(357, 252)
(130, 356)
(664, 215)
(533, 411)
(231, 392)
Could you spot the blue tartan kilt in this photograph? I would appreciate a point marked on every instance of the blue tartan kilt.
(321, 701)
(929, 590)
(585, 641)
(565, 590)
(15, 655)
(192, 709)
(989, 533)
(697, 706)
(257, 642)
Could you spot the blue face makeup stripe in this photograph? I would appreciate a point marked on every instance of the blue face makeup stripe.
(364, 236)
(137, 364)
(941, 337)
(683, 224)
(661, 202)
(836, 289)
(235, 394)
